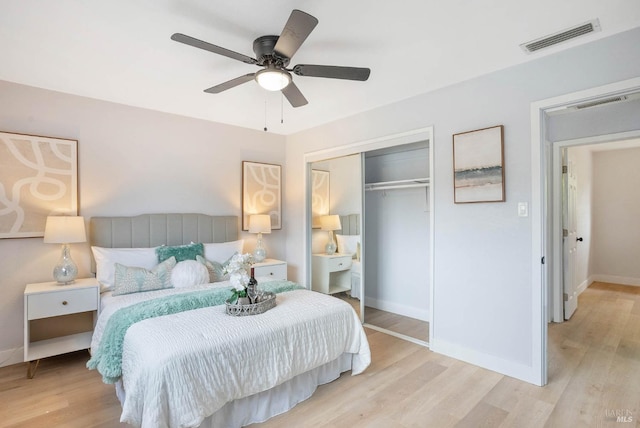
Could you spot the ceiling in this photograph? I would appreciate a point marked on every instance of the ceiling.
(121, 51)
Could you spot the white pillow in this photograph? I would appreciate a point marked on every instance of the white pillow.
(348, 244)
(223, 251)
(106, 258)
(188, 273)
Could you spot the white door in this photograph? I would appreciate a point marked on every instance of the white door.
(569, 191)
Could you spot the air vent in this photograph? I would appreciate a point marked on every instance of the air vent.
(562, 36)
(600, 102)
(586, 104)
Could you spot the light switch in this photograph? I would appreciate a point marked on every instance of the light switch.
(523, 209)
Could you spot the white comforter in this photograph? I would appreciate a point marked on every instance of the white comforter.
(179, 369)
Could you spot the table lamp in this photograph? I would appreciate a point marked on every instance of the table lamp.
(330, 223)
(259, 223)
(64, 230)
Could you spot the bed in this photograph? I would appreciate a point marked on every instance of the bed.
(202, 367)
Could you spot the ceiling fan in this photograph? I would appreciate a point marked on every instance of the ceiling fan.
(273, 54)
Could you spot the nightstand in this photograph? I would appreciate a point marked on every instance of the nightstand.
(275, 269)
(331, 273)
(58, 318)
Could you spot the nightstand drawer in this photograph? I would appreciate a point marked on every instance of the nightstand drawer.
(45, 305)
(336, 264)
(276, 271)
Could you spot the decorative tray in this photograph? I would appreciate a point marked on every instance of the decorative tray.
(267, 301)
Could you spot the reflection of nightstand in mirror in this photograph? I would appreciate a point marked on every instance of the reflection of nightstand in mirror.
(58, 318)
(331, 273)
(274, 269)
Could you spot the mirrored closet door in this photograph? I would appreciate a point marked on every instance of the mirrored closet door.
(336, 204)
(375, 207)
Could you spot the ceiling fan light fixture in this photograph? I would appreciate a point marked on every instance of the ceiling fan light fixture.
(273, 79)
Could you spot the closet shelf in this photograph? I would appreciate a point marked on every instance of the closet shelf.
(397, 184)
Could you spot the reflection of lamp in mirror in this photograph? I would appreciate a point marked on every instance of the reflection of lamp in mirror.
(330, 223)
(259, 223)
(64, 230)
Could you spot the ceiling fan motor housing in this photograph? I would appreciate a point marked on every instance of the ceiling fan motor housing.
(263, 48)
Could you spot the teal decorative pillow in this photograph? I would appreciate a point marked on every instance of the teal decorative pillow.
(136, 279)
(180, 252)
(216, 270)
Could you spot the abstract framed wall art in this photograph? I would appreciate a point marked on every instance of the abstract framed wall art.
(319, 196)
(261, 192)
(478, 166)
(38, 178)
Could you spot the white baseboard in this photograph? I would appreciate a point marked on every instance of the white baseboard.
(584, 285)
(11, 356)
(490, 362)
(396, 308)
(613, 279)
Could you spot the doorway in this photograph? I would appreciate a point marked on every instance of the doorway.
(591, 195)
(546, 221)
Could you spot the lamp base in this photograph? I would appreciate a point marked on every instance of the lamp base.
(260, 253)
(66, 271)
(330, 248)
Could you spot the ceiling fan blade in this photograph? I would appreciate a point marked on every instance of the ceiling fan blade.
(332, 72)
(295, 32)
(294, 96)
(188, 40)
(230, 84)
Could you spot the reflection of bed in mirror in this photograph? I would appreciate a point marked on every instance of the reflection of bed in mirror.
(351, 242)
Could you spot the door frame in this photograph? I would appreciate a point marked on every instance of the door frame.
(545, 250)
(408, 137)
(556, 300)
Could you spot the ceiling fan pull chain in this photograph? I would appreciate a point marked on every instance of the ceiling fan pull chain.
(265, 114)
(281, 107)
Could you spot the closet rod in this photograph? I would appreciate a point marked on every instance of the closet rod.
(397, 184)
(369, 188)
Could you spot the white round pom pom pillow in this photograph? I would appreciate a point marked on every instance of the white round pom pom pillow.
(188, 273)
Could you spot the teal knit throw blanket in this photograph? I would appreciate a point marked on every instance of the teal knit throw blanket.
(108, 357)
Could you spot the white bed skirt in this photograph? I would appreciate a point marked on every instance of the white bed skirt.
(356, 272)
(267, 404)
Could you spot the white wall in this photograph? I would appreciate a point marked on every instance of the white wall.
(616, 214)
(131, 161)
(397, 252)
(483, 309)
(346, 185)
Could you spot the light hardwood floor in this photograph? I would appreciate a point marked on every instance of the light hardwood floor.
(390, 321)
(594, 375)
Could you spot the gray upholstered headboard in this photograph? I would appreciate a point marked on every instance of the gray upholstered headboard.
(152, 230)
(350, 224)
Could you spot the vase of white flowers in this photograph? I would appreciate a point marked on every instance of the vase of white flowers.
(237, 269)
(246, 299)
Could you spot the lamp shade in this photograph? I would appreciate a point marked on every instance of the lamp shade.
(64, 230)
(330, 222)
(260, 223)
